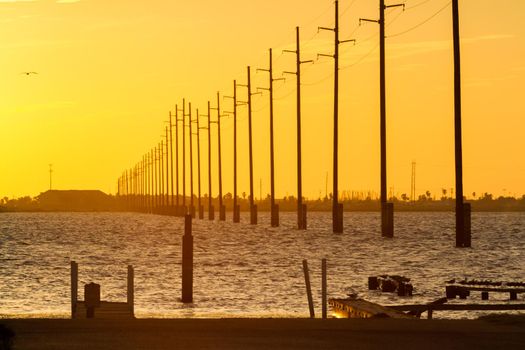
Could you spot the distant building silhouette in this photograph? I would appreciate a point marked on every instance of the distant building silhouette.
(74, 200)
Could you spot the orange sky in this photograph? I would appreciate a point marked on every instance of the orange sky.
(109, 72)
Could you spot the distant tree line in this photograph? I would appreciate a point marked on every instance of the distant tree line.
(353, 201)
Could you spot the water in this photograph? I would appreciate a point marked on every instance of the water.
(240, 270)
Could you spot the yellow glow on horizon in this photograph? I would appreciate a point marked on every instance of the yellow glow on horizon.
(109, 72)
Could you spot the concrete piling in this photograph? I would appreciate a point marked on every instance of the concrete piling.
(253, 214)
(187, 261)
(211, 213)
(387, 220)
(222, 212)
(74, 288)
(323, 288)
(236, 213)
(131, 290)
(304, 223)
(275, 215)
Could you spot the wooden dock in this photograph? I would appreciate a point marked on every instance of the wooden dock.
(103, 309)
(359, 308)
(107, 310)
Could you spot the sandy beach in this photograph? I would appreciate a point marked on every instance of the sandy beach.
(267, 334)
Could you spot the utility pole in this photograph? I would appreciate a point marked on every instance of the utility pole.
(337, 208)
(236, 207)
(179, 212)
(413, 183)
(156, 180)
(463, 225)
(211, 211)
(50, 177)
(161, 175)
(192, 206)
(167, 209)
(171, 166)
(222, 209)
(301, 208)
(387, 208)
(253, 207)
(201, 208)
(184, 208)
(273, 207)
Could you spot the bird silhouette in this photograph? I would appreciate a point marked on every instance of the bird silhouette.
(29, 73)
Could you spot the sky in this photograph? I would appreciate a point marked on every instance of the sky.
(109, 72)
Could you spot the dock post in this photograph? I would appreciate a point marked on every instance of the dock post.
(187, 261)
(484, 295)
(513, 296)
(323, 287)
(201, 212)
(308, 288)
(74, 288)
(429, 313)
(131, 290)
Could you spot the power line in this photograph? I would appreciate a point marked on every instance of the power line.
(421, 23)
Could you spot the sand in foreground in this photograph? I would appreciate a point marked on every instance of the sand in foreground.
(267, 334)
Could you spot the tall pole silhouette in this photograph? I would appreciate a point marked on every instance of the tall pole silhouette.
(462, 210)
(273, 207)
(167, 173)
(177, 120)
(211, 212)
(172, 202)
(185, 210)
(253, 207)
(337, 208)
(161, 170)
(192, 206)
(197, 133)
(156, 180)
(301, 208)
(222, 209)
(50, 177)
(387, 209)
(236, 210)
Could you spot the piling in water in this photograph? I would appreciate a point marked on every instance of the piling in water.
(131, 290)
(187, 261)
(387, 219)
(74, 288)
(323, 288)
(211, 213)
(253, 214)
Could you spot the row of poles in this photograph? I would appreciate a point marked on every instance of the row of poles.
(149, 186)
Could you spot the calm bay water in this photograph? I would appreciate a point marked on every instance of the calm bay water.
(240, 270)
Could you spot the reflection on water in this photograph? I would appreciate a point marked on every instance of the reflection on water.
(242, 270)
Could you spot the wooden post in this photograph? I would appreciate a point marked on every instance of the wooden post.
(323, 287)
(275, 215)
(308, 288)
(74, 288)
(131, 290)
(484, 295)
(429, 313)
(187, 261)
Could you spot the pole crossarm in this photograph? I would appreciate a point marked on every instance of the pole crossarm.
(325, 28)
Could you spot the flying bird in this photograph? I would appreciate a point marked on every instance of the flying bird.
(29, 73)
